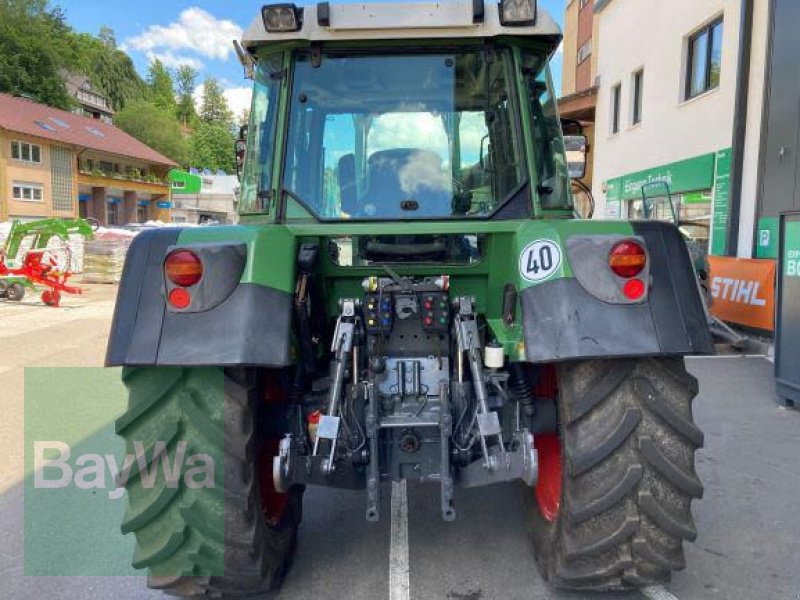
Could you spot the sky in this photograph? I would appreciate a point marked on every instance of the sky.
(196, 32)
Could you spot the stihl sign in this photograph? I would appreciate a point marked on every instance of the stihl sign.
(743, 291)
(737, 290)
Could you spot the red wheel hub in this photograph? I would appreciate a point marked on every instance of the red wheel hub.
(273, 503)
(548, 488)
(548, 448)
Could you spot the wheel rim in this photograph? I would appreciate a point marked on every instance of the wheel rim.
(548, 449)
(273, 503)
(548, 487)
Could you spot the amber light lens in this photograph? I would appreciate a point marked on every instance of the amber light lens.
(183, 268)
(627, 259)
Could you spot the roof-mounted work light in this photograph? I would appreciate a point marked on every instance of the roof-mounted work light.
(280, 18)
(518, 13)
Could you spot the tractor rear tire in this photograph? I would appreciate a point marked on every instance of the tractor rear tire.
(627, 445)
(176, 536)
(3, 288)
(16, 292)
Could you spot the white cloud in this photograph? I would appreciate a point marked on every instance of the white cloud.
(238, 99)
(173, 61)
(196, 30)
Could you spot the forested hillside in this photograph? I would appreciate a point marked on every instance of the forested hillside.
(38, 47)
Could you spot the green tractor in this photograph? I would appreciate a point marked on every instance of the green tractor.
(409, 294)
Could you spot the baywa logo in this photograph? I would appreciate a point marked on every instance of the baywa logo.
(56, 468)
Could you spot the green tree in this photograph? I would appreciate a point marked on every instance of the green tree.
(212, 147)
(155, 127)
(161, 87)
(33, 51)
(214, 108)
(109, 69)
(186, 82)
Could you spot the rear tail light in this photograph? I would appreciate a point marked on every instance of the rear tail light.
(634, 289)
(179, 298)
(183, 268)
(627, 259)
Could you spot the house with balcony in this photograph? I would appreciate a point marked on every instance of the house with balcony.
(89, 101)
(54, 163)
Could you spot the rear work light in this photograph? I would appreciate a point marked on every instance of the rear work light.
(627, 259)
(183, 268)
(280, 17)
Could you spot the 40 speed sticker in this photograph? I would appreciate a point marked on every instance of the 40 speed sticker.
(539, 260)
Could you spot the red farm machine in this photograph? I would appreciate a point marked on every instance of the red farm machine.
(42, 264)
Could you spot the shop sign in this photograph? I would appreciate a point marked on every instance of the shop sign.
(683, 176)
(791, 249)
(767, 246)
(722, 192)
(742, 290)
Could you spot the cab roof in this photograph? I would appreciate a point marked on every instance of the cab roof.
(326, 22)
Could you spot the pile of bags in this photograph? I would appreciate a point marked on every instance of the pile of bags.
(104, 256)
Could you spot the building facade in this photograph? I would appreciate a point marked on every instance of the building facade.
(669, 104)
(203, 199)
(54, 163)
(579, 80)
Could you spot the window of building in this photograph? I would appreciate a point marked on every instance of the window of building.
(26, 152)
(637, 85)
(616, 97)
(585, 51)
(704, 62)
(28, 192)
(112, 213)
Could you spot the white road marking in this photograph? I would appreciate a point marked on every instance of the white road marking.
(657, 592)
(719, 356)
(399, 585)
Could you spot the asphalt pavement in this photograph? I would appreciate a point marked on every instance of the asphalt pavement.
(748, 545)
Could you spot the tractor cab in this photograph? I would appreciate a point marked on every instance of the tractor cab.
(356, 118)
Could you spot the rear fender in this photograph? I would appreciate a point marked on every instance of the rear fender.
(232, 319)
(583, 313)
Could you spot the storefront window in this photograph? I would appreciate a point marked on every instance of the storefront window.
(691, 211)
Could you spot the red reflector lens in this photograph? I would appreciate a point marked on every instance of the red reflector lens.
(183, 268)
(634, 289)
(627, 259)
(180, 298)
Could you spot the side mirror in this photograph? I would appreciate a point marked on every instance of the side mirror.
(576, 148)
(241, 151)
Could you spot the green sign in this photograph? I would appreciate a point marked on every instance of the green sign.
(696, 198)
(613, 199)
(683, 176)
(722, 192)
(181, 182)
(691, 177)
(767, 246)
(791, 249)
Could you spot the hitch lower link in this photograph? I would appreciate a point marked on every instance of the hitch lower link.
(499, 464)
